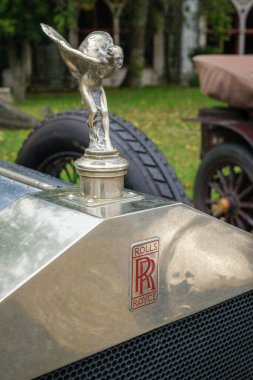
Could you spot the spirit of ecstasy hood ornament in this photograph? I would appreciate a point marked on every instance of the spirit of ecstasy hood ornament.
(95, 59)
(101, 169)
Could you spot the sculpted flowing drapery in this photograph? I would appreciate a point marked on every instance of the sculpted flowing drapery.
(95, 59)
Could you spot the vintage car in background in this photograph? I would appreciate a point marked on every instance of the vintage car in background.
(224, 181)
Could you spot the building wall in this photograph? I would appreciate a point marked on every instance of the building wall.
(49, 72)
(189, 38)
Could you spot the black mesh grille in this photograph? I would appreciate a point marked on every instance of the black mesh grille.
(213, 344)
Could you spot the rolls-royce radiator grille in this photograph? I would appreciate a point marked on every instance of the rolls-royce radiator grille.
(214, 344)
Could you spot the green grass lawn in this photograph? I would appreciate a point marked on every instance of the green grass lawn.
(157, 111)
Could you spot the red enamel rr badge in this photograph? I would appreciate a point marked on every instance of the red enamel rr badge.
(144, 273)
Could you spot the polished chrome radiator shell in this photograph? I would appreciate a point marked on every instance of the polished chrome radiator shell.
(65, 274)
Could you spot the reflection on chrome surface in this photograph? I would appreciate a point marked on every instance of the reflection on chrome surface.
(65, 275)
(210, 262)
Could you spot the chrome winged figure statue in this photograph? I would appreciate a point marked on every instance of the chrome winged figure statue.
(95, 59)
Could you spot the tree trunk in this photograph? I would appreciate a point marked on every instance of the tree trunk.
(173, 29)
(116, 8)
(21, 68)
(73, 26)
(73, 36)
(26, 59)
(116, 29)
(138, 32)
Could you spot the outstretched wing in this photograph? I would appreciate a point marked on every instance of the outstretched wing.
(74, 62)
(76, 65)
(53, 34)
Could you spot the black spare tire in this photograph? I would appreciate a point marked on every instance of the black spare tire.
(53, 146)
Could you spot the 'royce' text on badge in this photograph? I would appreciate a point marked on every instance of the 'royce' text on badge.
(144, 273)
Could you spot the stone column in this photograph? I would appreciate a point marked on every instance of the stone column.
(189, 37)
(158, 56)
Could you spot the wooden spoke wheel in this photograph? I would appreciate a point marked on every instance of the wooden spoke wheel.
(224, 185)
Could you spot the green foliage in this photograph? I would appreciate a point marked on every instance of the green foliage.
(19, 21)
(66, 12)
(138, 24)
(202, 50)
(10, 143)
(219, 15)
(21, 18)
(7, 26)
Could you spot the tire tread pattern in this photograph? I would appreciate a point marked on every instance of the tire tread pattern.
(158, 171)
